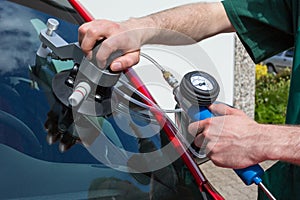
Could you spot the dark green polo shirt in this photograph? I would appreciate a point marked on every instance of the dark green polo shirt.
(267, 27)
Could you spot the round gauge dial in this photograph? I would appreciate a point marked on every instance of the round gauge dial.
(201, 83)
(199, 88)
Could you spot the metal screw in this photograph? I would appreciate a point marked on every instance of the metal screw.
(52, 25)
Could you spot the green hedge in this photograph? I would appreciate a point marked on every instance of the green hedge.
(271, 97)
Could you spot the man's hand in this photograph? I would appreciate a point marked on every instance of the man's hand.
(125, 37)
(231, 138)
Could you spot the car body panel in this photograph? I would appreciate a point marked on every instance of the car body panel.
(280, 61)
(30, 167)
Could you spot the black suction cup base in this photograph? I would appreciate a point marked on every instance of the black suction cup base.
(88, 107)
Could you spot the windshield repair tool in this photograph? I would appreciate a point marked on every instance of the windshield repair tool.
(195, 93)
(85, 89)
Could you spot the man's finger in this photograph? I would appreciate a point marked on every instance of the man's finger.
(196, 128)
(125, 61)
(222, 109)
(82, 31)
(91, 32)
(200, 141)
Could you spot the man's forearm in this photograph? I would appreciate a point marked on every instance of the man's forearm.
(282, 143)
(186, 24)
(177, 26)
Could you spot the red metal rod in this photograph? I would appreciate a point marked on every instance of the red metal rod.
(81, 10)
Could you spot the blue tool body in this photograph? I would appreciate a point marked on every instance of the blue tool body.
(249, 174)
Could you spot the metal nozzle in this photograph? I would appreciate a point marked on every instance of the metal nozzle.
(170, 78)
(80, 93)
(266, 191)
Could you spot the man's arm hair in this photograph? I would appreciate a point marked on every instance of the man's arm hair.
(195, 21)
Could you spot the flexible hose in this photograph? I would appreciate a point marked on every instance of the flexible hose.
(155, 63)
(141, 104)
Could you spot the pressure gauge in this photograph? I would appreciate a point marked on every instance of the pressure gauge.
(200, 88)
(201, 82)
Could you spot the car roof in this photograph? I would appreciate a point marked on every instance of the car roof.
(58, 8)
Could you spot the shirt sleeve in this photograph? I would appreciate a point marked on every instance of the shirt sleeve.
(265, 27)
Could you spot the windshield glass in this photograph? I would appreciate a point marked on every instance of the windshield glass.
(33, 164)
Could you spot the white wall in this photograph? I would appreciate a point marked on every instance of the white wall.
(216, 55)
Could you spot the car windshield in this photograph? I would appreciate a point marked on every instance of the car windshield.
(31, 116)
(289, 53)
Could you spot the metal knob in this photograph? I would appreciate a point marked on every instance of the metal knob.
(52, 25)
